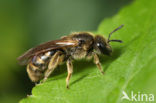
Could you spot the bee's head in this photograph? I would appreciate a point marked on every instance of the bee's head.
(102, 46)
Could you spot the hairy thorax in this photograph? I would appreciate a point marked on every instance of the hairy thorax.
(85, 41)
(78, 53)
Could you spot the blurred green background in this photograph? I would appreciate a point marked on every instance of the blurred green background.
(26, 23)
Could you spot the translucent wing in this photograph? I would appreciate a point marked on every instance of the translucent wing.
(45, 47)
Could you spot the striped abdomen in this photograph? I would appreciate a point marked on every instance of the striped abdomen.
(38, 65)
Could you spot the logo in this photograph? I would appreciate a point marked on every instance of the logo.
(137, 96)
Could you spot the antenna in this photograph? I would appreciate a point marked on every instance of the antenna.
(116, 41)
(113, 32)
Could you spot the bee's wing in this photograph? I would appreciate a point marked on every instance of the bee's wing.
(45, 47)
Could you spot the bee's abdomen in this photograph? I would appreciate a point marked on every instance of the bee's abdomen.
(35, 74)
(41, 60)
(38, 65)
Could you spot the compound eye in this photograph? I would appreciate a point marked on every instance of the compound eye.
(101, 46)
(103, 49)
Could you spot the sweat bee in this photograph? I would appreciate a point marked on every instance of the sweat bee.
(42, 60)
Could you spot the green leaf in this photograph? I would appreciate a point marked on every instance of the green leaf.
(131, 67)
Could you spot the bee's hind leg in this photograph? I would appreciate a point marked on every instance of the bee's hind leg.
(70, 71)
(56, 59)
(97, 62)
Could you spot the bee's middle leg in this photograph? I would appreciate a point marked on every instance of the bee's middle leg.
(70, 71)
(56, 59)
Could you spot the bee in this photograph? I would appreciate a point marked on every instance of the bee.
(42, 60)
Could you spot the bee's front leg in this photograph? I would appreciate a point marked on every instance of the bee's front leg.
(70, 71)
(97, 62)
